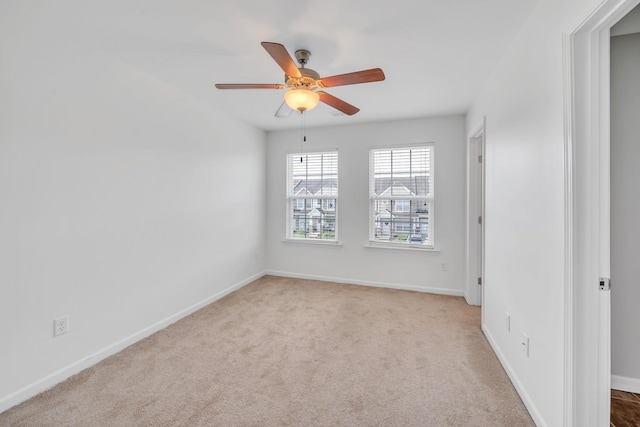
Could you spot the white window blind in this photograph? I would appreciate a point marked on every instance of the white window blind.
(401, 195)
(312, 195)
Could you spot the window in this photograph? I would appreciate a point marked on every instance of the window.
(312, 195)
(403, 205)
(401, 195)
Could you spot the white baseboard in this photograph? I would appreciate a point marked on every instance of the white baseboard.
(441, 291)
(526, 399)
(54, 378)
(632, 385)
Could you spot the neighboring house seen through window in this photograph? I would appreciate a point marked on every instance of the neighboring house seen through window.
(312, 195)
(401, 195)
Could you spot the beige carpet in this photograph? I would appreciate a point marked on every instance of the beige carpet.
(296, 352)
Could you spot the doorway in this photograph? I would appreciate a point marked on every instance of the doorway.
(475, 218)
(588, 207)
(625, 210)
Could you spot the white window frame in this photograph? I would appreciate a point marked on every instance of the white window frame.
(292, 199)
(429, 199)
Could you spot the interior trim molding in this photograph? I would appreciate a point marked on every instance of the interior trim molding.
(632, 385)
(60, 375)
(403, 287)
(526, 399)
(569, 241)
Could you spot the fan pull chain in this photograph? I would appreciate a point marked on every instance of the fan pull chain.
(303, 137)
(304, 126)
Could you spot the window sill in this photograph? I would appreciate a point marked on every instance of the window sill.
(313, 242)
(401, 247)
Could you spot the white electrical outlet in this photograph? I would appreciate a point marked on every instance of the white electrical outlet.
(525, 344)
(508, 321)
(60, 325)
(443, 266)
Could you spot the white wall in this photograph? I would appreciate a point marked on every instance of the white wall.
(123, 201)
(625, 210)
(524, 222)
(353, 261)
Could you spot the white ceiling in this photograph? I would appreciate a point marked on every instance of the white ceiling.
(436, 54)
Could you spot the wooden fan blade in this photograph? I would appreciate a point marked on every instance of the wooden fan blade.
(365, 76)
(338, 103)
(284, 110)
(249, 86)
(279, 53)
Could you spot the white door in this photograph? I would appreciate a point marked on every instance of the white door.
(480, 209)
(476, 220)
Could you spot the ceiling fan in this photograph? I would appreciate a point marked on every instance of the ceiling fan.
(303, 84)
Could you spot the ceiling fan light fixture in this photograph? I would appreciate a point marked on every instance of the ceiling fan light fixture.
(301, 99)
(304, 86)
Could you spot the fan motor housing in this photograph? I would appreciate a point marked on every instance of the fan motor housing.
(308, 78)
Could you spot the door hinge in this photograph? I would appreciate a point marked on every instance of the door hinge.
(605, 284)
(480, 158)
(480, 220)
(479, 280)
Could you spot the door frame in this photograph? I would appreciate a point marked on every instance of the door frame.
(474, 293)
(587, 216)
